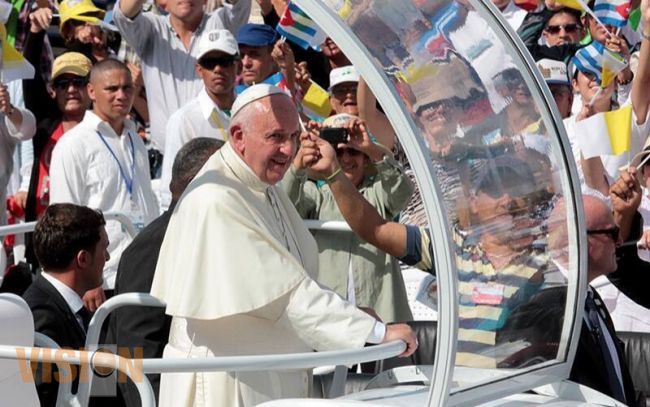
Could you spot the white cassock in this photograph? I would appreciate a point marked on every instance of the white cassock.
(234, 270)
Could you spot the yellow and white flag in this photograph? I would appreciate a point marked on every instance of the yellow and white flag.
(613, 64)
(13, 66)
(607, 133)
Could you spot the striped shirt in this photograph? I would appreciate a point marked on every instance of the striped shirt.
(487, 296)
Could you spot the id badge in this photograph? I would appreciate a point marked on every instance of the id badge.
(488, 293)
(136, 216)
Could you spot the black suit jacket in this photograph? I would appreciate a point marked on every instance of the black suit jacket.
(53, 317)
(144, 328)
(589, 367)
(539, 322)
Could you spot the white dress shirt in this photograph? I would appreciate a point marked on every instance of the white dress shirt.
(10, 136)
(83, 171)
(75, 303)
(201, 117)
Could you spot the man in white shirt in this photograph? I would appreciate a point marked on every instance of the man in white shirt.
(168, 47)
(102, 163)
(246, 268)
(208, 114)
(16, 125)
(71, 244)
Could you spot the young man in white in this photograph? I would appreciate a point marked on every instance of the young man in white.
(102, 163)
(208, 114)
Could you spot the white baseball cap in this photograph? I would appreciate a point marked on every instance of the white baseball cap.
(254, 93)
(217, 40)
(343, 74)
(554, 72)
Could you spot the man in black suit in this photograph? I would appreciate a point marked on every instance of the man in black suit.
(71, 244)
(599, 362)
(147, 328)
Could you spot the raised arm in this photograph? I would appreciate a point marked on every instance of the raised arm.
(359, 213)
(130, 8)
(641, 81)
(378, 123)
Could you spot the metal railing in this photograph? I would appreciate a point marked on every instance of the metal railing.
(234, 363)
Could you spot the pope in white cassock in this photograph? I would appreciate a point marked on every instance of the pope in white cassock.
(236, 264)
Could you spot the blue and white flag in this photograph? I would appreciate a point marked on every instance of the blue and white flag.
(613, 12)
(589, 59)
(297, 27)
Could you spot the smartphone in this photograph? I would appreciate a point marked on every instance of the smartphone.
(334, 135)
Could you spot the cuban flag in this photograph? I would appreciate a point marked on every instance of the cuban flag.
(613, 12)
(597, 60)
(297, 27)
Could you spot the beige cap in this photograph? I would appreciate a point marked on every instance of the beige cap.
(72, 63)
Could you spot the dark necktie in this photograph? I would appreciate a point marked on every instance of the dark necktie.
(591, 308)
(85, 317)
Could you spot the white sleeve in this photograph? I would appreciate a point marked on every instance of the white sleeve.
(325, 321)
(174, 141)
(67, 174)
(233, 16)
(137, 31)
(27, 127)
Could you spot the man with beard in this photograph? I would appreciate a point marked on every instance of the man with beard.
(208, 114)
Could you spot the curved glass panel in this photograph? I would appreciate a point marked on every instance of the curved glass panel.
(498, 162)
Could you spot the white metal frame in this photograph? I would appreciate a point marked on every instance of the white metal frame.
(414, 146)
(232, 363)
(28, 227)
(445, 351)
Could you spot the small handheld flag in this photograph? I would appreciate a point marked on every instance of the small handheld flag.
(298, 28)
(613, 12)
(607, 133)
(600, 62)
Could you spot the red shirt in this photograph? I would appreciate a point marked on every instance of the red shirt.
(43, 186)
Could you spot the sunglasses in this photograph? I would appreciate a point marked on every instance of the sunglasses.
(210, 63)
(64, 83)
(568, 28)
(611, 232)
(344, 90)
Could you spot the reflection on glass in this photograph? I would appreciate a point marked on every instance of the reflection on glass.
(496, 168)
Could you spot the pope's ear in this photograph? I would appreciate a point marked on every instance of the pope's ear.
(237, 136)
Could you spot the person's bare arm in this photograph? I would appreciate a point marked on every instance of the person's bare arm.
(641, 81)
(362, 217)
(378, 123)
(626, 198)
(131, 8)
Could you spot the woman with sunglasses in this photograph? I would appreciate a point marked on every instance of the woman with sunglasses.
(354, 269)
(58, 107)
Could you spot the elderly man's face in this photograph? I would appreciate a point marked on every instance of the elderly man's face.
(343, 98)
(603, 237)
(257, 63)
(268, 144)
(71, 94)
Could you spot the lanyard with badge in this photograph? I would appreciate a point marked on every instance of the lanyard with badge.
(135, 214)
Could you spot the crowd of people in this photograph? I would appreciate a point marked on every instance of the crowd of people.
(217, 137)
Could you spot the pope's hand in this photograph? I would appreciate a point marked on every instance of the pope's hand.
(404, 333)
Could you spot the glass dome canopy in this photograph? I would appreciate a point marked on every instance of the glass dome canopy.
(490, 161)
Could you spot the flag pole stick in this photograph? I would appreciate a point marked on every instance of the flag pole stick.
(642, 163)
(593, 98)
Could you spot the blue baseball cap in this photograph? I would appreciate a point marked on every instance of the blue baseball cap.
(257, 35)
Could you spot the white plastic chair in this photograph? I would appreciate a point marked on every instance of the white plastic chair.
(16, 381)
